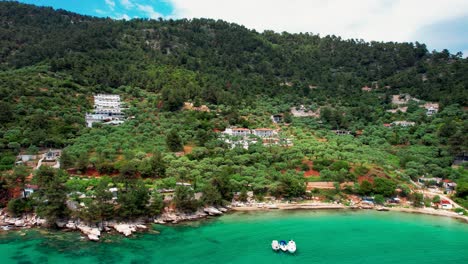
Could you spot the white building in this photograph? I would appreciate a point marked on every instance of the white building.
(342, 132)
(241, 132)
(445, 204)
(431, 111)
(431, 108)
(107, 103)
(28, 190)
(107, 108)
(264, 132)
(403, 123)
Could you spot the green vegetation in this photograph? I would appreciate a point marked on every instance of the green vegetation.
(52, 62)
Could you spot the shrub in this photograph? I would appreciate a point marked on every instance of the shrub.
(361, 170)
(19, 206)
(379, 199)
(339, 165)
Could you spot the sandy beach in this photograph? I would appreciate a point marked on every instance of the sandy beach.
(329, 206)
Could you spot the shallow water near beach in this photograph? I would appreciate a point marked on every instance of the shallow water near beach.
(321, 237)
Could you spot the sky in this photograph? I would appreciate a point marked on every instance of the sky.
(440, 24)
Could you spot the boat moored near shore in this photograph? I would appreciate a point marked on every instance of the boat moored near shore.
(283, 245)
(291, 246)
(275, 245)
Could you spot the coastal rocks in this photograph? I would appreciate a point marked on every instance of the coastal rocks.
(10, 221)
(26, 221)
(212, 211)
(40, 221)
(143, 227)
(272, 206)
(159, 221)
(168, 218)
(60, 223)
(125, 229)
(222, 209)
(382, 209)
(71, 225)
(174, 218)
(20, 223)
(92, 233)
(128, 228)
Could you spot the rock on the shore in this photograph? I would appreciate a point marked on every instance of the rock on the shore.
(159, 221)
(92, 233)
(178, 217)
(125, 229)
(19, 223)
(141, 227)
(71, 225)
(212, 211)
(60, 223)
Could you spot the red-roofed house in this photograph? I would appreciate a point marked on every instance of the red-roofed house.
(449, 185)
(446, 204)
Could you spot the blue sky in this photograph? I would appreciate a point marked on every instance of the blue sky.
(118, 9)
(440, 24)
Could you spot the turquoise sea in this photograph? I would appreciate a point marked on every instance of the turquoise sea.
(321, 237)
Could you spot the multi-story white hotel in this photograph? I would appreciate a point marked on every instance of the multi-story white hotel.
(107, 103)
(107, 110)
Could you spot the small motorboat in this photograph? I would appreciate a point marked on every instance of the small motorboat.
(275, 245)
(291, 246)
(283, 245)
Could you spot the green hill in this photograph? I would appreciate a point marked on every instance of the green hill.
(53, 61)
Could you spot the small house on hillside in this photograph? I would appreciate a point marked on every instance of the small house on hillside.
(431, 108)
(403, 123)
(342, 132)
(52, 155)
(26, 157)
(28, 190)
(449, 185)
(445, 204)
(241, 132)
(264, 132)
(277, 118)
(433, 180)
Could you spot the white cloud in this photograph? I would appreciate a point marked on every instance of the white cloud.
(465, 53)
(123, 16)
(100, 11)
(127, 4)
(149, 11)
(386, 20)
(110, 4)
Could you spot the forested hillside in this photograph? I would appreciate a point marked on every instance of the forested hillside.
(53, 61)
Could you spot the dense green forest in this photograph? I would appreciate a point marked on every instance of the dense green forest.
(53, 61)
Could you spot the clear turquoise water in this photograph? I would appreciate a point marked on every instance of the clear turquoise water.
(321, 237)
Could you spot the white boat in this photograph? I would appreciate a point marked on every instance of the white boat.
(275, 245)
(283, 245)
(291, 246)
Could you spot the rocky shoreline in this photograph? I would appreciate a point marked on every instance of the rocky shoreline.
(94, 231)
